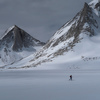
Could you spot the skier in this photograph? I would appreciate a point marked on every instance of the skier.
(70, 77)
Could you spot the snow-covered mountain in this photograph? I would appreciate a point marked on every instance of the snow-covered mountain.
(75, 43)
(77, 39)
(16, 44)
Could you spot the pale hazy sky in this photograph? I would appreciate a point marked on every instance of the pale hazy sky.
(40, 18)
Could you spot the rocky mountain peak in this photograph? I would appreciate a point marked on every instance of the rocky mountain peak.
(19, 39)
(17, 44)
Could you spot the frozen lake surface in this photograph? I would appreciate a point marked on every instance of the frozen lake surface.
(49, 85)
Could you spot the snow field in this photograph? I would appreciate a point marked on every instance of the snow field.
(49, 85)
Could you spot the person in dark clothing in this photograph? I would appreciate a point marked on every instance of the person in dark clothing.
(70, 77)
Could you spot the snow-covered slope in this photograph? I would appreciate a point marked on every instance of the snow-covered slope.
(16, 44)
(76, 43)
(77, 39)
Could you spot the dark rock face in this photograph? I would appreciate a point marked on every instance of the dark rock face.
(18, 39)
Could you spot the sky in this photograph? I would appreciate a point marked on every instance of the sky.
(39, 18)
